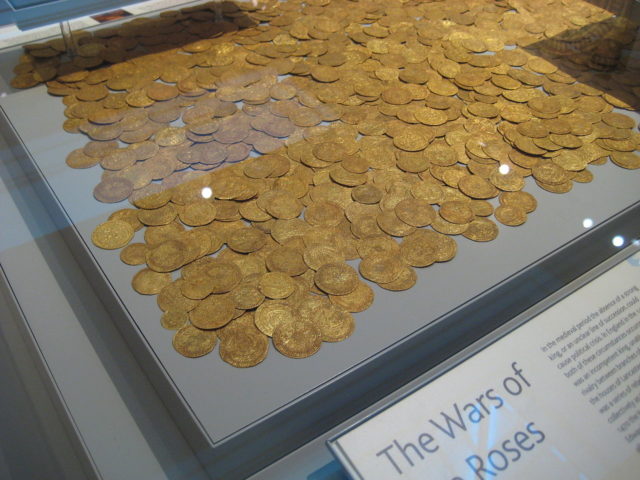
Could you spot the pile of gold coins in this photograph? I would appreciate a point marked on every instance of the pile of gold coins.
(357, 139)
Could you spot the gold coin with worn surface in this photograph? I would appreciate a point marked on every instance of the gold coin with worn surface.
(247, 296)
(148, 282)
(113, 190)
(380, 268)
(336, 278)
(618, 120)
(171, 298)
(196, 287)
(201, 212)
(246, 240)
(297, 338)
(215, 311)
(166, 256)
(627, 160)
(244, 348)
(79, 159)
(477, 187)
(315, 256)
(192, 342)
(128, 215)
(523, 200)
(415, 212)
(419, 249)
(510, 215)
(134, 254)
(389, 223)
(271, 313)
(405, 280)
(445, 246)
(549, 172)
(225, 276)
(481, 230)
(286, 260)
(174, 319)
(335, 323)
(158, 216)
(112, 234)
(276, 285)
(411, 140)
(456, 211)
(357, 301)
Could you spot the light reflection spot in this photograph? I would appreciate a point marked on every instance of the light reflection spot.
(587, 223)
(206, 192)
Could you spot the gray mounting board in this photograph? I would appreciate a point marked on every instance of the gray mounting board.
(224, 402)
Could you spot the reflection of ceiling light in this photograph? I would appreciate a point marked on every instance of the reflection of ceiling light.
(3, 94)
(587, 223)
(617, 241)
(504, 169)
(206, 192)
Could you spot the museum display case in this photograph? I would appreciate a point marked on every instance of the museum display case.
(292, 210)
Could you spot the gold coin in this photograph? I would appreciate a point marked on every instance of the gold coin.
(192, 342)
(336, 278)
(247, 296)
(481, 230)
(325, 214)
(456, 211)
(627, 160)
(113, 190)
(276, 285)
(215, 311)
(148, 282)
(197, 287)
(415, 212)
(316, 256)
(174, 319)
(166, 256)
(510, 215)
(412, 140)
(549, 173)
(405, 280)
(418, 249)
(246, 240)
(358, 300)
(335, 323)
(79, 159)
(523, 200)
(283, 205)
(200, 212)
(271, 313)
(477, 187)
(286, 260)
(445, 246)
(389, 223)
(380, 268)
(171, 298)
(112, 234)
(244, 348)
(618, 120)
(134, 254)
(375, 244)
(297, 338)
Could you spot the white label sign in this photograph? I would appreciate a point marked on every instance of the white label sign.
(557, 398)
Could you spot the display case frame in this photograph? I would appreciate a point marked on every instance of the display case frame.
(497, 284)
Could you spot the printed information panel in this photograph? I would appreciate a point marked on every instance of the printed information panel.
(557, 398)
